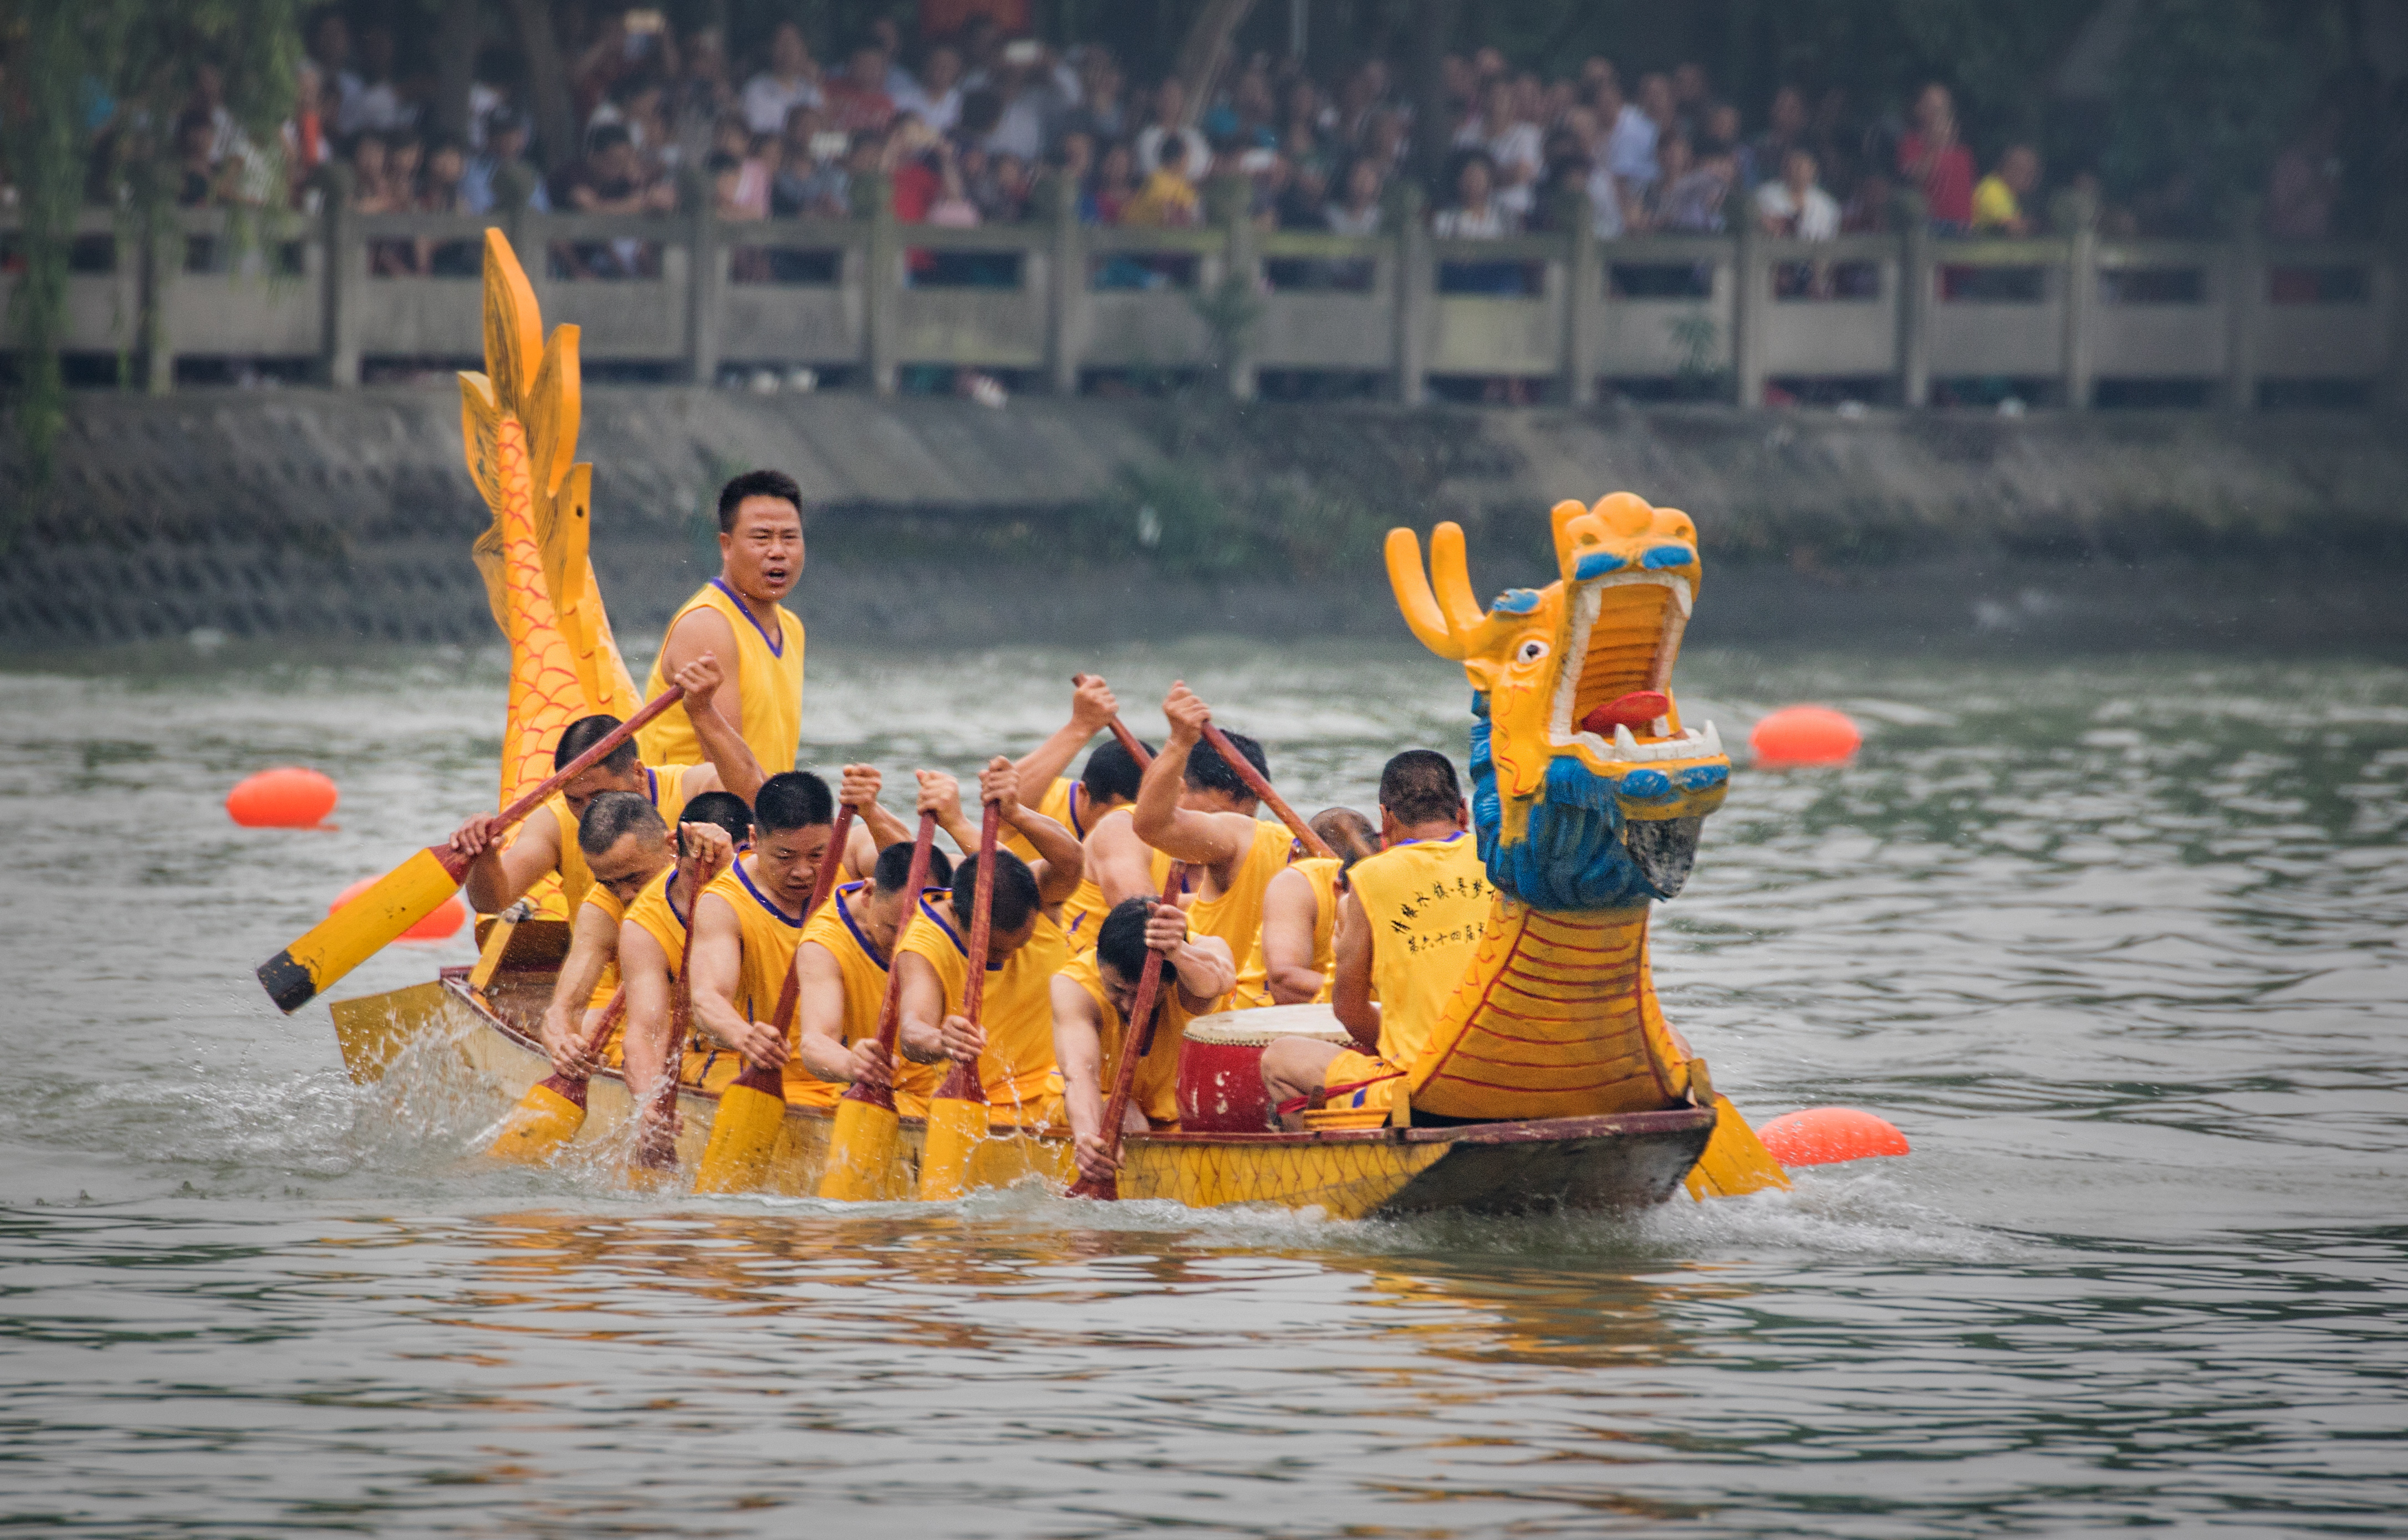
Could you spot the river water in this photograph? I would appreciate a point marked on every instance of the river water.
(2117, 942)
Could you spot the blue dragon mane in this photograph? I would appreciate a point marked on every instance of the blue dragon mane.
(1572, 856)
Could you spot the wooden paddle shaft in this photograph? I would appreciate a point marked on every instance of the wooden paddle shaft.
(1261, 788)
(1140, 1019)
(657, 1143)
(962, 1082)
(890, 1010)
(542, 792)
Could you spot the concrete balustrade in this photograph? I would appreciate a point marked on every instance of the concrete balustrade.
(1899, 318)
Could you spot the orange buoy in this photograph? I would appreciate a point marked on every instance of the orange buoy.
(1828, 1136)
(290, 796)
(441, 924)
(1805, 735)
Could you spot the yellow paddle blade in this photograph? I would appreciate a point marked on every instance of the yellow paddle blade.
(860, 1154)
(955, 1130)
(743, 1136)
(357, 930)
(537, 1128)
(1735, 1161)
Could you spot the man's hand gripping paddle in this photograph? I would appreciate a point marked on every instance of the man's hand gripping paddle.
(861, 1148)
(412, 890)
(1136, 1041)
(753, 1109)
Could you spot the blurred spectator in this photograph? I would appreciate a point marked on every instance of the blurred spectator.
(372, 191)
(1795, 206)
(702, 94)
(1722, 135)
(788, 83)
(1100, 112)
(936, 97)
(1169, 103)
(1767, 157)
(1695, 193)
(2305, 181)
(506, 143)
(611, 178)
(447, 166)
(1475, 212)
(1114, 184)
(1167, 198)
(1356, 212)
(1510, 143)
(1930, 157)
(377, 103)
(1999, 198)
(196, 166)
(1693, 100)
(1632, 151)
(857, 99)
(330, 52)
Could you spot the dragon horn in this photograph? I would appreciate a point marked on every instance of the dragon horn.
(1413, 595)
(1451, 573)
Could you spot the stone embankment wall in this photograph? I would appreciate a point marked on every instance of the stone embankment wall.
(324, 515)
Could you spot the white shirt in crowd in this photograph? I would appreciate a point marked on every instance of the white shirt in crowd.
(1630, 149)
(1149, 153)
(1604, 204)
(941, 113)
(1519, 149)
(768, 99)
(1818, 218)
(1489, 223)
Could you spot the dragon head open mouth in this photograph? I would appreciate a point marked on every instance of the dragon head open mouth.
(1574, 684)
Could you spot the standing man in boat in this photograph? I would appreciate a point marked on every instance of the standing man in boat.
(1092, 999)
(499, 874)
(1411, 922)
(739, 615)
(1012, 1045)
(1191, 807)
(1295, 962)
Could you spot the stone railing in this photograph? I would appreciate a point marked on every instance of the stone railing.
(1905, 320)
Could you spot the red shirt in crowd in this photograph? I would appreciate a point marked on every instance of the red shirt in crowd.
(1948, 186)
(852, 109)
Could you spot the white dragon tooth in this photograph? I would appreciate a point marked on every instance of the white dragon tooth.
(1623, 744)
(1714, 741)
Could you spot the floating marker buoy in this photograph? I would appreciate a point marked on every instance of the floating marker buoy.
(442, 924)
(287, 797)
(1805, 735)
(1828, 1136)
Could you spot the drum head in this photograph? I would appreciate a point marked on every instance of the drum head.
(1254, 1027)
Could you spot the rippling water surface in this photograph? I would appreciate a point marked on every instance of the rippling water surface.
(2118, 943)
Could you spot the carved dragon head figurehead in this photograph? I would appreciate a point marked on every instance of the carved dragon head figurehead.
(1588, 792)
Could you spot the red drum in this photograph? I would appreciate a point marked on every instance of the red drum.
(1220, 1064)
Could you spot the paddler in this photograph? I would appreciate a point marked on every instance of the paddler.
(1012, 1046)
(499, 873)
(1116, 865)
(1410, 921)
(1091, 998)
(1093, 706)
(1191, 807)
(737, 615)
(1293, 964)
(847, 949)
(650, 943)
(750, 919)
(626, 844)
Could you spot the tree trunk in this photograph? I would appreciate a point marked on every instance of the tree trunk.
(1202, 50)
(455, 65)
(555, 118)
(1434, 23)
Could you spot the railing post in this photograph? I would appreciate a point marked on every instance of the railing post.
(2079, 209)
(1914, 301)
(1226, 200)
(1416, 282)
(163, 256)
(2245, 292)
(705, 273)
(345, 260)
(1583, 280)
(1749, 297)
(873, 199)
(1066, 286)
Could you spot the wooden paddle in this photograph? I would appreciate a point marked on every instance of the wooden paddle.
(1262, 789)
(1136, 1041)
(411, 891)
(552, 1111)
(861, 1147)
(957, 1114)
(753, 1109)
(657, 1136)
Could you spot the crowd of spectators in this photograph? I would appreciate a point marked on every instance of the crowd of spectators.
(967, 129)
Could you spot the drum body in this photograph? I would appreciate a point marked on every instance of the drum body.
(1220, 1064)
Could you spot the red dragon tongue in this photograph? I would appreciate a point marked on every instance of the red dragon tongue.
(1636, 710)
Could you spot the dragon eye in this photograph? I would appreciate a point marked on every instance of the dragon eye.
(1530, 651)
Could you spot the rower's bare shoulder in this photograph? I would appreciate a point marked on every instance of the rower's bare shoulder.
(699, 630)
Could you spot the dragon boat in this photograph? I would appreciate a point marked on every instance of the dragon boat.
(1553, 1079)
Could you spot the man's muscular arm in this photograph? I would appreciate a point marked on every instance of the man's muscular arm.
(821, 1046)
(1350, 992)
(1201, 839)
(700, 630)
(497, 877)
(1059, 857)
(1121, 864)
(593, 942)
(731, 764)
(1291, 913)
(718, 974)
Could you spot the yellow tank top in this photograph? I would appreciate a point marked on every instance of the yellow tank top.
(1063, 803)
(1254, 988)
(769, 676)
(1017, 1067)
(1237, 916)
(1427, 902)
(664, 784)
(863, 971)
(1084, 910)
(651, 911)
(1154, 1091)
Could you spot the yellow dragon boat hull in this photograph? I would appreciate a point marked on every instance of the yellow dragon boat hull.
(1626, 1160)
